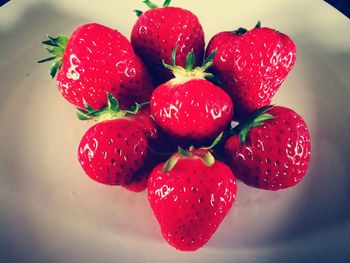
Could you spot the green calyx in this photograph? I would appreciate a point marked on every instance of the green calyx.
(151, 6)
(203, 153)
(254, 119)
(183, 74)
(241, 30)
(112, 111)
(56, 47)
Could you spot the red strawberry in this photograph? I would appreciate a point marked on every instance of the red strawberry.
(96, 60)
(270, 150)
(159, 30)
(156, 145)
(115, 150)
(190, 195)
(252, 65)
(188, 106)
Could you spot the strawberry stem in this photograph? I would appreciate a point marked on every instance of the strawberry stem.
(56, 47)
(254, 119)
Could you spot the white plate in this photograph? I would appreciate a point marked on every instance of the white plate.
(51, 212)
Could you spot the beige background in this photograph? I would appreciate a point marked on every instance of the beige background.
(51, 212)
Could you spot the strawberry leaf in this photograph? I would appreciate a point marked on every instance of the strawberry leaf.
(190, 60)
(82, 116)
(57, 51)
(61, 41)
(165, 65)
(87, 106)
(240, 31)
(171, 162)
(138, 12)
(190, 71)
(150, 4)
(166, 3)
(208, 62)
(183, 152)
(113, 103)
(55, 67)
(55, 46)
(254, 119)
(263, 117)
(207, 158)
(243, 134)
(49, 42)
(173, 55)
(47, 59)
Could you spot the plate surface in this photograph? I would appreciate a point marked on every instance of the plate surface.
(51, 212)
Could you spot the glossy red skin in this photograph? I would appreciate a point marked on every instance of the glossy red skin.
(146, 123)
(97, 60)
(191, 200)
(194, 110)
(158, 31)
(276, 155)
(115, 152)
(252, 66)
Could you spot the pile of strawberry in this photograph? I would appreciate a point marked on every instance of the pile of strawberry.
(161, 99)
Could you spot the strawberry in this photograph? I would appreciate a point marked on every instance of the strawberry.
(190, 195)
(270, 149)
(189, 106)
(159, 147)
(252, 65)
(97, 60)
(115, 150)
(159, 30)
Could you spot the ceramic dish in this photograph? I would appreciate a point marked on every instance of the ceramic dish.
(50, 211)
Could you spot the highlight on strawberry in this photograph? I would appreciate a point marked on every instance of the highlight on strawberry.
(188, 106)
(94, 61)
